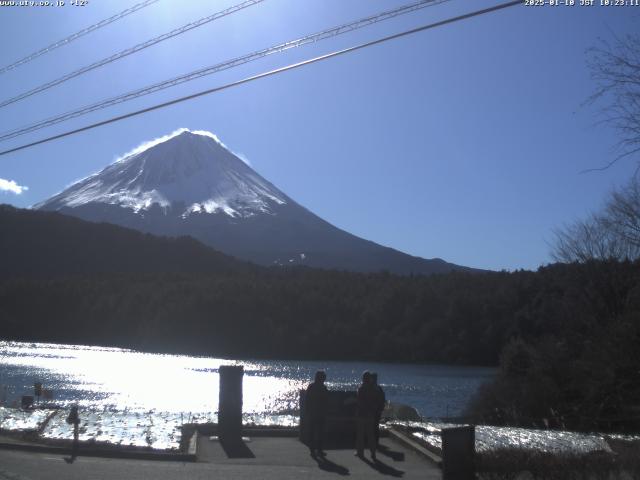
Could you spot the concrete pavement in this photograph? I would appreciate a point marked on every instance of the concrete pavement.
(265, 458)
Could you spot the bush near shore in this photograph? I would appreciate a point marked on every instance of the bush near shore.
(511, 464)
(580, 368)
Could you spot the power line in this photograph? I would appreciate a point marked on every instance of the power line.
(269, 73)
(314, 37)
(130, 51)
(77, 35)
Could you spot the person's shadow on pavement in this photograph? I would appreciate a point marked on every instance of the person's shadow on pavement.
(382, 467)
(393, 455)
(328, 466)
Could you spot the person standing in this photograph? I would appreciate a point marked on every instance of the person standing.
(74, 419)
(380, 403)
(315, 404)
(365, 417)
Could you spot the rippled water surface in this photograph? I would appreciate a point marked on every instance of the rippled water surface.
(141, 399)
(121, 380)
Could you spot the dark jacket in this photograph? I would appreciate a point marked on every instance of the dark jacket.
(316, 400)
(367, 401)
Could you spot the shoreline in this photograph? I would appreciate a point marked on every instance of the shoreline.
(238, 357)
(34, 427)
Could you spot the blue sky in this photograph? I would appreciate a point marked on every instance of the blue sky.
(464, 142)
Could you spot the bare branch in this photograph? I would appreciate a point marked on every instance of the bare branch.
(615, 69)
(612, 234)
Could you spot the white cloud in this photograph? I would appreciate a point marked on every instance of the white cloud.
(207, 134)
(11, 186)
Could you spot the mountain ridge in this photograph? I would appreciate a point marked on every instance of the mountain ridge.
(49, 244)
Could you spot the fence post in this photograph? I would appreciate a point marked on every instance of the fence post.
(458, 453)
(230, 402)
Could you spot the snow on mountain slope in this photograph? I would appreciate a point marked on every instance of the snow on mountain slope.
(190, 168)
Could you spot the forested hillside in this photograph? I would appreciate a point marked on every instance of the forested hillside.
(42, 244)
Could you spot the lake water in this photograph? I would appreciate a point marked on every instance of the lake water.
(122, 390)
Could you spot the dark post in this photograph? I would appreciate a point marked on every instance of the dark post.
(37, 390)
(230, 403)
(458, 453)
(27, 401)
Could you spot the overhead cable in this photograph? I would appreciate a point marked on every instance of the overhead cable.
(314, 37)
(130, 51)
(268, 74)
(77, 35)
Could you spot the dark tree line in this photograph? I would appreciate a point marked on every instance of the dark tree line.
(303, 313)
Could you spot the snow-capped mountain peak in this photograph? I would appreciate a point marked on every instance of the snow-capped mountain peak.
(190, 170)
(190, 183)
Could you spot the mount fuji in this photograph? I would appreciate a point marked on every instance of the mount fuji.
(190, 183)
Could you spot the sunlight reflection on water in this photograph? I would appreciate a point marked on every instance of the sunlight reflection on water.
(141, 399)
(117, 379)
(121, 379)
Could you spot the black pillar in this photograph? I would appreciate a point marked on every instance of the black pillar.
(230, 402)
(458, 453)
